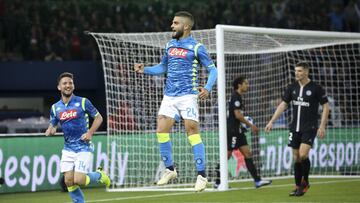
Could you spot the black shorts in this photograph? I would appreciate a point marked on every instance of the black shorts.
(296, 138)
(236, 139)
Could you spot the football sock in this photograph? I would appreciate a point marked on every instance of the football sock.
(92, 177)
(306, 168)
(199, 153)
(76, 194)
(298, 173)
(252, 169)
(165, 149)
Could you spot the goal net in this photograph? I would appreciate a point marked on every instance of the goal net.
(267, 57)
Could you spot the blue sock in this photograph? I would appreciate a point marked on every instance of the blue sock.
(166, 154)
(92, 177)
(76, 194)
(199, 157)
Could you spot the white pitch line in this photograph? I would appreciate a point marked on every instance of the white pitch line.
(186, 193)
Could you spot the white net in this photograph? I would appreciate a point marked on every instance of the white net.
(268, 61)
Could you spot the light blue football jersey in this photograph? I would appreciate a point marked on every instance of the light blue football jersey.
(74, 120)
(182, 59)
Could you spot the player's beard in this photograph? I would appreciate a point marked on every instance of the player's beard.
(178, 34)
(67, 95)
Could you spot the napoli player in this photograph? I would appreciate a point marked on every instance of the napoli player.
(72, 114)
(181, 62)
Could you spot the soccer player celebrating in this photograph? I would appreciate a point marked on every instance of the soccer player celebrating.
(72, 113)
(236, 138)
(180, 62)
(305, 96)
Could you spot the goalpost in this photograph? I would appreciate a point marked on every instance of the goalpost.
(267, 57)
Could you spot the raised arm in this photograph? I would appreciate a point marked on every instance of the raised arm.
(151, 70)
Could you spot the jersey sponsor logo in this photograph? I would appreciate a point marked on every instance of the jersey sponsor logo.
(178, 52)
(301, 103)
(67, 115)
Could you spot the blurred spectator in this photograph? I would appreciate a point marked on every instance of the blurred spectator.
(352, 16)
(31, 30)
(75, 45)
(337, 18)
(52, 56)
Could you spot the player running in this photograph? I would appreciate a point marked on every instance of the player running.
(72, 114)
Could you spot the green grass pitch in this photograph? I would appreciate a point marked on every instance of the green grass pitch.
(327, 190)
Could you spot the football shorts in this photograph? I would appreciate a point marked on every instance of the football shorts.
(185, 107)
(78, 162)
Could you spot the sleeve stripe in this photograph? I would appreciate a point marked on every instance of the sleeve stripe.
(53, 109)
(196, 48)
(83, 103)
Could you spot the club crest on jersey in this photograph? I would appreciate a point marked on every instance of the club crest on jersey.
(178, 52)
(308, 93)
(68, 115)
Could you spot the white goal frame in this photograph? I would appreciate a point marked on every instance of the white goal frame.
(220, 56)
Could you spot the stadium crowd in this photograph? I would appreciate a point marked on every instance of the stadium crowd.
(53, 30)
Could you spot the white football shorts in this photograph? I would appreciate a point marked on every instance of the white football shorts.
(185, 107)
(78, 162)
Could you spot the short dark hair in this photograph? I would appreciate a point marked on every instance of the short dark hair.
(65, 74)
(237, 81)
(304, 65)
(186, 15)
